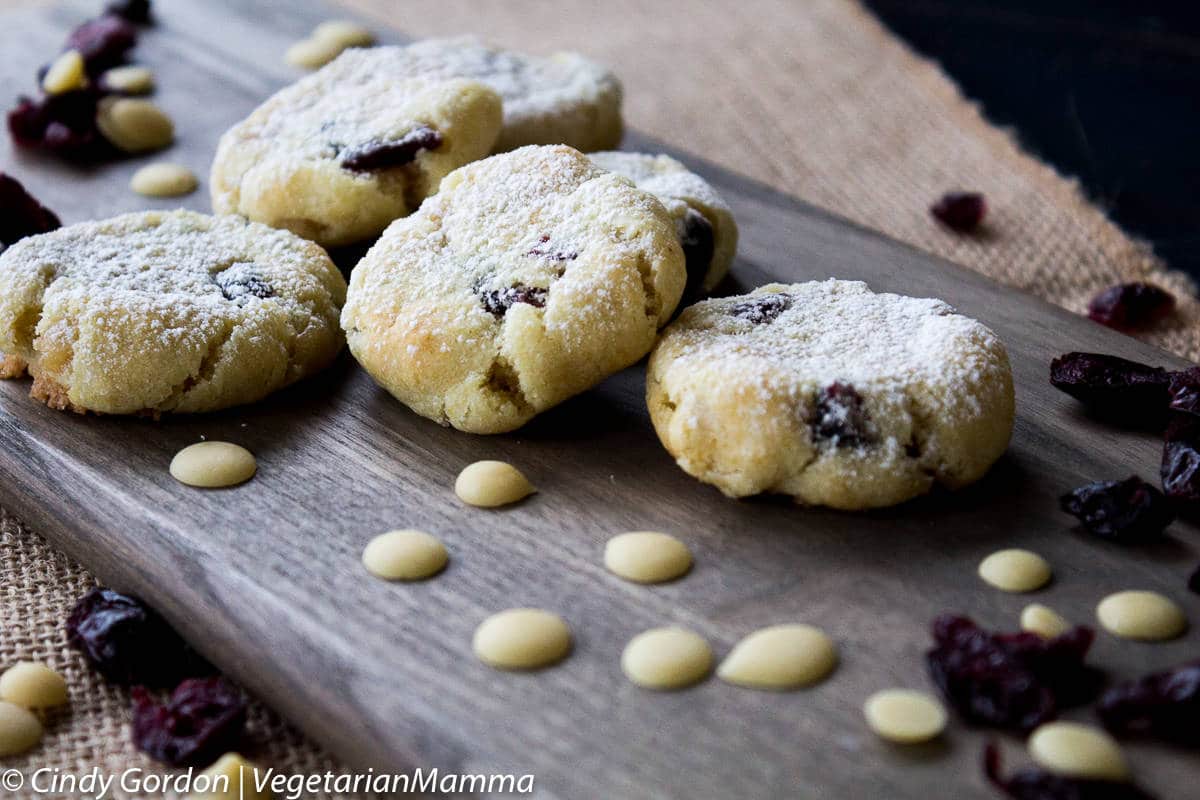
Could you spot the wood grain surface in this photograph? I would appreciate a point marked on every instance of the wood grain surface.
(265, 578)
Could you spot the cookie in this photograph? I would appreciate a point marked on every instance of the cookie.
(830, 393)
(341, 153)
(530, 277)
(705, 224)
(167, 312)
(562, 98)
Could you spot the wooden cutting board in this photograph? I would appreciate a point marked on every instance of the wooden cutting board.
(265, 578)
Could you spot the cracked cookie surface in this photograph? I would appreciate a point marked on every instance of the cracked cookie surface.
(342, 152)
(705, 224)
(562, 98)
(530, 277)
(830, 393)
(162, 312)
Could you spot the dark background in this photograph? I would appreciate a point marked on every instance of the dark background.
(1108, 91)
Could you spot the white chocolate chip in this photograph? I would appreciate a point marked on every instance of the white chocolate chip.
(1044, 621)
(33, 685)
(212, 465)
(1078, 751)
(238, 783)
(666, 658)
(522, 638)
(129, 79)
(905, 715)
(1148, 616)
(489, 484)
(780, 657)
(66, 74)
(133, 125)
(19, 729)
(344, 32)
(312, 53)
(647, 557)
(404, 555)
(162, 179)
(1015, 570)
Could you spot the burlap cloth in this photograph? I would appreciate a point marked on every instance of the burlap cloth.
(814, 98)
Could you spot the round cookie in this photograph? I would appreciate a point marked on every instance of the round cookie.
(167, 312)
(530, 277)
(830, 393)
(705, 224)
(562, 98)
(341, 153)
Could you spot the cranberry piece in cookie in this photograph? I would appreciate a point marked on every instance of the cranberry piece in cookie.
(499, 301)
(762, 309)
(839, 417)
(385, 154)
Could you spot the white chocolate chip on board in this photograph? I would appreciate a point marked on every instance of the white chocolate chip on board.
(213, 465)
(163, 179)
(404, 555)
(522, 639)
(780, 657)
(647, 557)
(1015, 570)
(1078, 751)
(905, 716)
(490, 484)
(133, 125)
(1148, 616)
(666, 658)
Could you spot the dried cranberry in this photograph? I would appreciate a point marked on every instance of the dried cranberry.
(1184, 391)
(499, 301)
(1125, 511)
(136, 11)
(20, 214)
(961, 211)
(129, 643)
(203, 719)
(1165, 705)
(1036, 784)
(1010, 680)
(540, 250)
(1181, 458)
(762, 309)
(241, 282)
(838, 416)
(1123, 390)
(1128, 306)
(64, 124)
(699, 243)
(379, 154)
(103, 42)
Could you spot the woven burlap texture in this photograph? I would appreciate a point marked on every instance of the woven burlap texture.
(814, 98)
